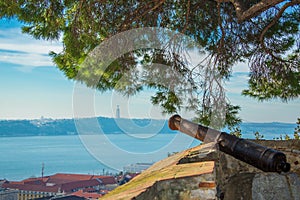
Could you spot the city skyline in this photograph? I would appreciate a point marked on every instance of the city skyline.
(34, 87)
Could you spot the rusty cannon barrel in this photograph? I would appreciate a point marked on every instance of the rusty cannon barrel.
(261, 157)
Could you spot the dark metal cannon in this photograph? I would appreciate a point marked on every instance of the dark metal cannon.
(264, 158)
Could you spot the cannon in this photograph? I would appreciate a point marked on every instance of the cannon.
(261, 157)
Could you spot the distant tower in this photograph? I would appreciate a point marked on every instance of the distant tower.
(118, 112)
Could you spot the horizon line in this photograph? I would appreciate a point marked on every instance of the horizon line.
(72, 118)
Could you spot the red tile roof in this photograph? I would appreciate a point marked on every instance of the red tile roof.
(15, 182)
(107, 180)
(60, 182)
(44, 179)
(66, 178)
(87, 195)
(61, 178)
(69, 187)
(30, 187)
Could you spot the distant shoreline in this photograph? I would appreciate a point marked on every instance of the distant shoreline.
(8, 136)
(109, 126)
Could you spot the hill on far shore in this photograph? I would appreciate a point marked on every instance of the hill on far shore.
(54, 127)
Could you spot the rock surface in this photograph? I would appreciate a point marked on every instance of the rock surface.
(205, 173)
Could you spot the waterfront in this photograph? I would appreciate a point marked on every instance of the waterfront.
(23, 157)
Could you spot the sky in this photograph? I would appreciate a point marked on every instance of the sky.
(32, 87)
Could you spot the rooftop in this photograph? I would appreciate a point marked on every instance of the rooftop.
(87, 195)
(60, 182)
(163, 170)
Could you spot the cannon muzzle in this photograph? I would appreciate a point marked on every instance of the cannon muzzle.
(261, 157)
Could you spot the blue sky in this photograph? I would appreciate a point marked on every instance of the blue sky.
(31, 87)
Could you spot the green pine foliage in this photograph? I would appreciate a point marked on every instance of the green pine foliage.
(267, 40)
(258, 136)
(297, 130)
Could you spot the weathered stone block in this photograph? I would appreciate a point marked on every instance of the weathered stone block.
(207, 174)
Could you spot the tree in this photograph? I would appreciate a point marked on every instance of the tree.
(265, 33)
(297, 130)
(236, 131)
(258, 136)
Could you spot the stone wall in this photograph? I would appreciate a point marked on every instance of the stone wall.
(205, 173)
(238, 180)
(192, 188)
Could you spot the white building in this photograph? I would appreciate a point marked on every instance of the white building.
(6, 194)
(136, 168)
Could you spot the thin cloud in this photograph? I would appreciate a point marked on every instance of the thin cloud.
(240, 67)
(25, 51)
(25, 59)
(237, 83)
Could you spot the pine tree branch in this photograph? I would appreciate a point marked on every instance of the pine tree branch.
(275, 19)
(244, 14)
